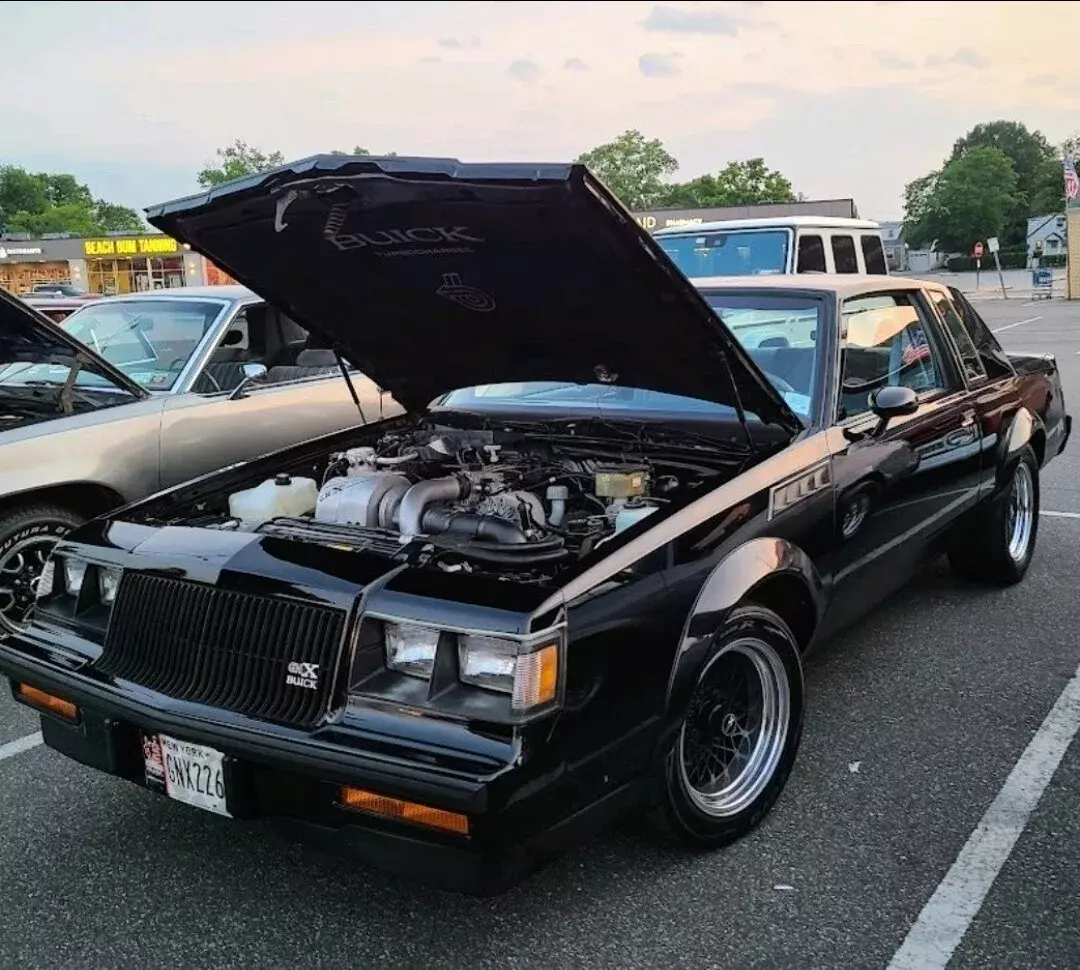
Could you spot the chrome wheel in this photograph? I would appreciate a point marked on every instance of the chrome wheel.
(735, 729)
(1020, 512)
(21, 568)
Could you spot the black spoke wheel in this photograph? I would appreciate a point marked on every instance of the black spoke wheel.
(738, 736)
(27, 537)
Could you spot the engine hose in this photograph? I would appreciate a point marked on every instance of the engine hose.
(509, 555)
(471, 526)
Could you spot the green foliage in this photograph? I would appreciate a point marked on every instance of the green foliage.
(41, 203)
(970, 199)
(237, 160)
(1039, 186)
(634, 168)
(737, 183)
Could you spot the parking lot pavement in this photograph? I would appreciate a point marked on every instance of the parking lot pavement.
(15, 721)
(917, 716)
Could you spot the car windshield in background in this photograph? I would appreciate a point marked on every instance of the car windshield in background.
(780, 334)
(740, 253)
(149, 340)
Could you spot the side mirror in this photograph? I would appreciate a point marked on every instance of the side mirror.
(254, 373)
(893, 402)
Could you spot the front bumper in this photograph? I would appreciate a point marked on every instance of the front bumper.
(294, 780)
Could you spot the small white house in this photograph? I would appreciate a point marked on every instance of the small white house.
(1050, 231)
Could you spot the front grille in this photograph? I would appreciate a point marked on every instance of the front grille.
(227, 650)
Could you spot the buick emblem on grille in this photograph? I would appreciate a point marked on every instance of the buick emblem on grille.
(302, 674)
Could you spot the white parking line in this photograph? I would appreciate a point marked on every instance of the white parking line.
(945, 919)
(1019, 323)
(1060, 515)
(20, 745)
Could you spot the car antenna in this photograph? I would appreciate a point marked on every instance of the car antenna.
(348, 383)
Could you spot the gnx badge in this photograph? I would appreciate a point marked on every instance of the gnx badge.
(302, 674)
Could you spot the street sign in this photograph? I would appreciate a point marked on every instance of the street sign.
(992, 244)
(978, 251)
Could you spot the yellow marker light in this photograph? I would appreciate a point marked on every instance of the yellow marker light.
(536, 678)
(384, 806)
(49, 703)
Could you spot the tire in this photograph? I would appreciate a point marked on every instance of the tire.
(27, 535)
(996, 546)
(698, 805)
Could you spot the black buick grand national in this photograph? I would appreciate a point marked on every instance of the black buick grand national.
(578, 577)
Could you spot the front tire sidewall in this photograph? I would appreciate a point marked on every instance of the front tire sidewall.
(684, 817)
(16, 528)
(1016, 568)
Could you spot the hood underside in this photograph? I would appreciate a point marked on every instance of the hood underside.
(431, 275)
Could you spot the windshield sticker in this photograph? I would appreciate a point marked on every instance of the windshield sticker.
(467, 296)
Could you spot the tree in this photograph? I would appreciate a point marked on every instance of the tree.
(1039, 186)
(633, 167)
(737, 183)
(42, 202)
(970, 199)
(236, 161)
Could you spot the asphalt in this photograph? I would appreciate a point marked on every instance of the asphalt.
(916, 717)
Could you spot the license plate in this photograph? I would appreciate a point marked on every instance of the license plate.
(190, 773)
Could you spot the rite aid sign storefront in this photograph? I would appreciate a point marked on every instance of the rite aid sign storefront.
(104, 264)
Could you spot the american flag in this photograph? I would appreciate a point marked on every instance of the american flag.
(916, 350)
(1072, 183)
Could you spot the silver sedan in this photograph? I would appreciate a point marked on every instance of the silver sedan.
(136, 393)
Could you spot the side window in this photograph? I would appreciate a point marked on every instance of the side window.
(873, 254)
(993, 357)
(843, 251)
(811, 255)
(969, 355)
(888, 342)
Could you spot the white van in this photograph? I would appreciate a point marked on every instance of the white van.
(785, 244)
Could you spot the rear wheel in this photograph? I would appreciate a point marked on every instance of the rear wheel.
(27, 536)
(739, 736)
(997, 545)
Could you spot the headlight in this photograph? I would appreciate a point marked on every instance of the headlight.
(529, 675)
(108, 583)
(410, 649)
(74, 574)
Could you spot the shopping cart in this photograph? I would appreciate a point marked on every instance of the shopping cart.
(1042, 283)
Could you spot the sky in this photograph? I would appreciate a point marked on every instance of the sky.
(846, 99)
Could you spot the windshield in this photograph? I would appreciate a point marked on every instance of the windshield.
(737, 253)
(779, 332)
(149, 340)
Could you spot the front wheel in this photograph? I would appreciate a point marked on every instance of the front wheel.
(996, 547)
(27, 536)
(739, 736)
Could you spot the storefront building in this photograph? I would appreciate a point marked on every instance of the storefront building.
(669, 218)
(104, 264)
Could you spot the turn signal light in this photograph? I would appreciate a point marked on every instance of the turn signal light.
(49, 703)
(385, 807)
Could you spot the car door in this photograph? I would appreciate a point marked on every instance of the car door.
(897, 488)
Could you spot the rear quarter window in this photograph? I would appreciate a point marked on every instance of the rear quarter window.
(843, 250)
(873, 254)
(811, 254)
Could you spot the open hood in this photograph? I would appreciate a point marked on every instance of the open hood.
(28, 337)
(431, 275)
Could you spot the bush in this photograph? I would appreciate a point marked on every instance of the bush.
(1015, 257)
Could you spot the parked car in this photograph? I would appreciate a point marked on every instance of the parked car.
(136, 393)
(56, 308)
(67, 290)
(780, 244)
(579, 576)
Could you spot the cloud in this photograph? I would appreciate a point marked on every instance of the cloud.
(431, 59)
(459, 43)
(1044, 80)
(575, 64)
(964, 57)
(524, 71)
(658, 65)
(895, 63)
(672, 20)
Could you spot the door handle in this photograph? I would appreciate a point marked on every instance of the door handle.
(968, 419)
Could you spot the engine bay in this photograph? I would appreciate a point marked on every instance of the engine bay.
(515, 504)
